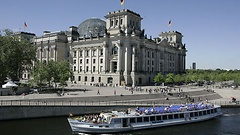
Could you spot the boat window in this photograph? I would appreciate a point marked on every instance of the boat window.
(211, 110)
(176, 116)
(116, 120)
(200, 113)
(139, 119)
(191, 114)
(159, 118)
(204, 113)
(132, 120)
(215, 110)
(208, 112)
(152, 118)
(181, 115)
(146, 119)
(196, 113)
(164, 117)
(100, 126)
(170, 116)
(107, 126)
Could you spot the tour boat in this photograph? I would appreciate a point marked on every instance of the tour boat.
(143, 118)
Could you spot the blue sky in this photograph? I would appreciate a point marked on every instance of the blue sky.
(211, 28)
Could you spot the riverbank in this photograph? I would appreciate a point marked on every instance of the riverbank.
(95, 99)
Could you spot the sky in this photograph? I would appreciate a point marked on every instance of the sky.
(211, 28)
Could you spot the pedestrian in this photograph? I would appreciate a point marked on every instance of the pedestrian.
(98, 93)
(115, 92)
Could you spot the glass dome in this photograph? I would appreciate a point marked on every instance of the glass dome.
(92, 27)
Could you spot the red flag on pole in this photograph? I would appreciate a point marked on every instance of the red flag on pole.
(25, 25)
(170, 23)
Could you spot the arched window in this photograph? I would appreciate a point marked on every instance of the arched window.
(115, 50)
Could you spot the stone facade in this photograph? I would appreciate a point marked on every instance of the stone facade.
(123, 55)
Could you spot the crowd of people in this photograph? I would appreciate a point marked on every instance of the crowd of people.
(94, 118)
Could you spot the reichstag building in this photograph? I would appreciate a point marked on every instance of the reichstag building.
(115, 51)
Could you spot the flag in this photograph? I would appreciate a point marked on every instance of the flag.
(25, 25)
(170, 23)
(122, 2)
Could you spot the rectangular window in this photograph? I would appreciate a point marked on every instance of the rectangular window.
(101, 60)
(208, 112)
(181, 115)
(74, 68)
(170, 116)
(164, 117)
(159, 118)
(191, 114)
(146, 119)
(87, 68)
(101, 52)
(99, 79)
(195, 114)
(212, 111)
(152, 118)
(87, 53)
(80, 68)
(87, 61)
(94, 68)
(176, 116)
(80, 53)
(94, 61)
(139, 119)
(204, 112)
(74, 61)
(79, 78)
(80, 61)
(132, 120)
(121, 21)
(200, 113)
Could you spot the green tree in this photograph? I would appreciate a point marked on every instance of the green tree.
(158, 78)
(64, 72)
(169, 78)
(39, 75)
(15, 56)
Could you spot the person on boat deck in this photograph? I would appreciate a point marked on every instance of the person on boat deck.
(146, 111)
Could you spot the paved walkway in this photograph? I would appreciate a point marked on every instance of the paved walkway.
(115, 92)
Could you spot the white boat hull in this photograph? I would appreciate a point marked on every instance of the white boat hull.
(111, 127)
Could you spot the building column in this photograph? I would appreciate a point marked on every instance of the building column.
(77, 60)
(119, 66)
(133, 58)
(84, 60)
(105, 58)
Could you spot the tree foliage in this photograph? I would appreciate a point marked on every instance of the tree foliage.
(201, 76)
(15, 56)
(52, 72)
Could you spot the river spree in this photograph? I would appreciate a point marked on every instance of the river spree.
(228, 124)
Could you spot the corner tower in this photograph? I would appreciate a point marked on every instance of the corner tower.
(123, 21)
(174, 38)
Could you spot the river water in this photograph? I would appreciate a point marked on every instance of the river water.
(228, 124)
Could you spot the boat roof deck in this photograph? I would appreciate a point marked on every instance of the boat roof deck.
(160, 110)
